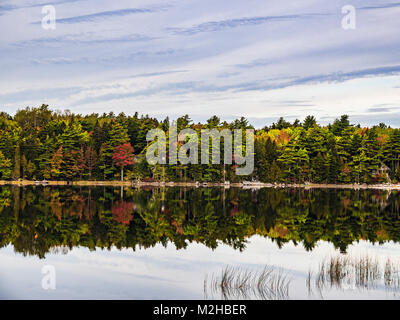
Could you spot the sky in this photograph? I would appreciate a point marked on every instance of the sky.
(260, 59)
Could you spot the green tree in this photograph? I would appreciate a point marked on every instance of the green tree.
(118, 135)
(309, 122)
(17, 163)
(5, 167)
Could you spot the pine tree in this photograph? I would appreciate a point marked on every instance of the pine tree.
(333, 165)
(339, 125)
(391, 152)
(320, 169)
(309, 122)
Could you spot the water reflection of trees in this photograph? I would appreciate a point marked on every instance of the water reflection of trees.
(37, 219)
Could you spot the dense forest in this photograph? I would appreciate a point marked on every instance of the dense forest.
(38, 143)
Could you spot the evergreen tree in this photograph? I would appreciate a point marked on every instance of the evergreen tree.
(309, 122)
(340, 124)
(391, 153)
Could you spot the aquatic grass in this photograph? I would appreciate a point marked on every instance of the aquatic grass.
(363, 272)
(367, 271)
(320, 281)
(338, 269)
(388, 272)
(392, 275)
(308, 283)
(273, 284)
(270, 283)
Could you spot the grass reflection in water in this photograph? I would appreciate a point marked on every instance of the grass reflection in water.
(271, 283)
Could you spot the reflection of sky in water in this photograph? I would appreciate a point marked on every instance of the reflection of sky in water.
(165, 273)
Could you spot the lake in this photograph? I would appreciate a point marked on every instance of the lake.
(204, 243)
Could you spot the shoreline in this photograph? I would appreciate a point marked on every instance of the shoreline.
(158, 184)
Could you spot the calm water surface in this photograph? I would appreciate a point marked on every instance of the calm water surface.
(108, 243)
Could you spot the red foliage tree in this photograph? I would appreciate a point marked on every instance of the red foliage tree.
(123, 156)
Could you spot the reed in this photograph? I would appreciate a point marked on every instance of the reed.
(392, 275)
(364, 272)
(367, 271)
(270, 283)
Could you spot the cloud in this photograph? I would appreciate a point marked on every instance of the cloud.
(153, 74)
(106, 59)
(378, 110)
(334, 77)
(82, 39)
(53, 3)
(228, 74)
(106, 14)
(171, 88)
(339, 76)
(213, 26)
(382, 6)
(294, 103)
(5, 8)
(254, 64)
(179, 88)
(385, 108)
(38, 94)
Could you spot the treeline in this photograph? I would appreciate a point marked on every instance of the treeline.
(38, 143)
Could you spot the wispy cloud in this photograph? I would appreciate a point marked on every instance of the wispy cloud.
(379, 110)
(344, 76)
(212, 26)
(294, 103)
(8, 7)
(106, 59)
(38, 94)
(335, 77)
(5, 8)
(83, 39)
(254, 64)
(53, 3)
(385, 108)
(179, 88)
(107, 14)
(153, 74)
(382, 6)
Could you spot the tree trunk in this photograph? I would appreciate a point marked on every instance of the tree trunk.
(122, 173)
